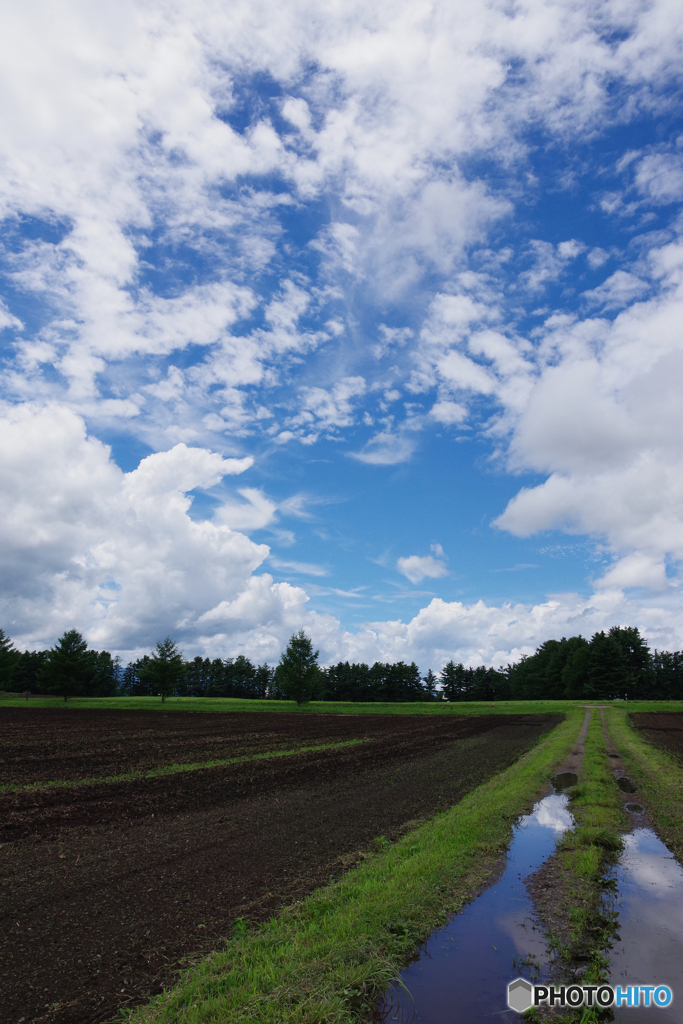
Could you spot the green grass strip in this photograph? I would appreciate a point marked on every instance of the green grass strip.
(326, 959)
(657, 775)
(503, 707)
(174, 769)
(585, 856)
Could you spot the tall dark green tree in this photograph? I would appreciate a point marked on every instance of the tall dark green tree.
(575, 681)
(68, 667)
(165, 672)
(430, 682)
(607, 669)
(636, 657)
(455, 681)
(263, 681)
(9, 659)
(298, 674)
(105, 675)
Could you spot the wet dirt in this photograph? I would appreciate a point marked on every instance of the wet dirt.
(649, 947)
(106, 890)
(564, 781)
(463, 970)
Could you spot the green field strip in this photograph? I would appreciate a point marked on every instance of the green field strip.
(585, 857)
(326, 959)
(656, 773)
(327, 707)
(174, 769)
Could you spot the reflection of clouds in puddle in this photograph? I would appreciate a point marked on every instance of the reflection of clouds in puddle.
(649, 865)
(650, 905)
(552, 812)
(528, 938)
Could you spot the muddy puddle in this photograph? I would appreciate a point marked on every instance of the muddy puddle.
(650, 906)
(463, 970)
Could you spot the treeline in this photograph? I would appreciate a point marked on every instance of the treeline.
(69, 663)
(611, 665)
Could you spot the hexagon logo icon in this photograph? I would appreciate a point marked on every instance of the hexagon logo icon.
(520, 996)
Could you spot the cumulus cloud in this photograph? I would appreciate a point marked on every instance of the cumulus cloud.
(636, 570)
(419, 567)
(602, 419)
(114, 553)
(448, 413)
(620, 289)
(488, 634)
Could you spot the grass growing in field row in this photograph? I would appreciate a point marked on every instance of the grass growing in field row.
(175, 769)
(326, 959)
(502, 707)
(584, 857)
(657, 774)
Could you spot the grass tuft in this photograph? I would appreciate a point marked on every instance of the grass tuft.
(597, 835)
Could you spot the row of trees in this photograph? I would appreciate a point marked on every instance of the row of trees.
(616, 664)
(67, 669)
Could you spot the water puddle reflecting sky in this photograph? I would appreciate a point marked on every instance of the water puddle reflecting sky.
(650, 906)
(464, 969)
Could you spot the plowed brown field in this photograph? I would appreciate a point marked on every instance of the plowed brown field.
(665, 728)
(108, 888)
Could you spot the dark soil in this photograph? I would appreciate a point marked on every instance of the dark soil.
(45, 744)
(664, 728)
(108, 889)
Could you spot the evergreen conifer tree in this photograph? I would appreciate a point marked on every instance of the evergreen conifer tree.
(9, 659)
(165, 671)
(430, 682)
(69, 666)
(297, 674)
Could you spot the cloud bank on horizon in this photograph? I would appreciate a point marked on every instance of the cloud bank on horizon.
(362, 319)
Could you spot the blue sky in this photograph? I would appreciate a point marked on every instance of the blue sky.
(365, 320)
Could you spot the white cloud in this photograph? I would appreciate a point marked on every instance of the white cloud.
(479, 634)
(302, 568)
(603, 421)
(448, 413)
(387, 447)
(417, 568)
(550, 261)
(660, 176)
(617, 291)
(255, 513)
(116, 554)
(636, 570)
(328, 409)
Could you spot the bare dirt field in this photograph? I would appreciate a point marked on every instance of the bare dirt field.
(107, 889)
(665, 728)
